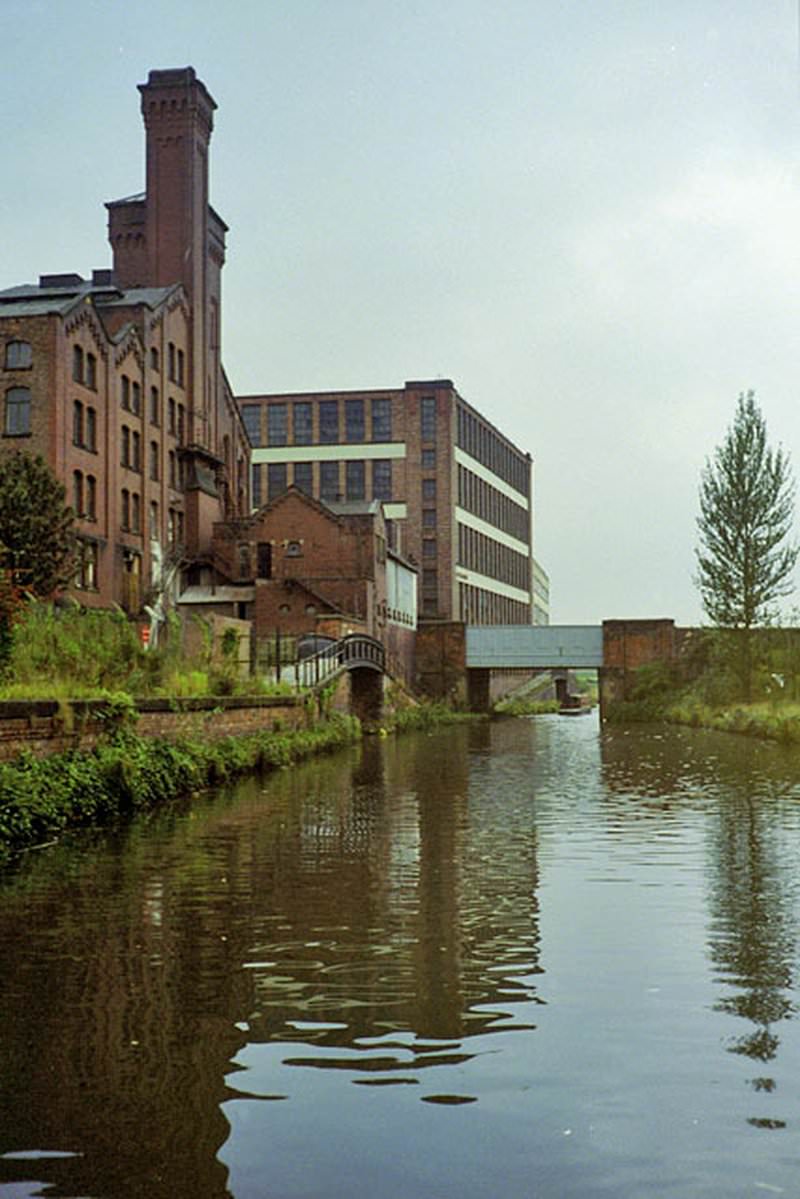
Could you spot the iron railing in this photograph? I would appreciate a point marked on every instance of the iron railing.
(346, 654)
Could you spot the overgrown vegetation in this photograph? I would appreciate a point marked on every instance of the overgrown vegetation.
(526, 707)
(40, 798)
(705, 688)
(79, 653)
(424, 716)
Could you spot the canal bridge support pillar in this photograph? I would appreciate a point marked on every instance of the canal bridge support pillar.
(366, 695)
(479, 690)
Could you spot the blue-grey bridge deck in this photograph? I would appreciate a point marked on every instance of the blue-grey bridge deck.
(508, 647)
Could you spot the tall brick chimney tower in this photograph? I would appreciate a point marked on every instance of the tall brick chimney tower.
(171, 234)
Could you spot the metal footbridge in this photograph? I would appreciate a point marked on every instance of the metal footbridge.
(538, 647)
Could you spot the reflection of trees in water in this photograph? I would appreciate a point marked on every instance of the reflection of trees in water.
(753, 944)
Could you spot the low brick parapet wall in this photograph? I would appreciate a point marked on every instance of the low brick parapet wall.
(45, 727)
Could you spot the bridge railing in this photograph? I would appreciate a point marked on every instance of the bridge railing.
(357, 649)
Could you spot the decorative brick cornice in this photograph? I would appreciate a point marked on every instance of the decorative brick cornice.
(82, 315)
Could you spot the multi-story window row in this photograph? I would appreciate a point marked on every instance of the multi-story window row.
(483, 444)
(354, 479)
(479, 606)
(319, 422)
(477, 496)
(488, 557)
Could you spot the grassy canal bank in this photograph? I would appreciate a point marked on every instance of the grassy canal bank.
(41, 798)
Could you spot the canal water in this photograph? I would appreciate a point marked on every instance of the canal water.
(528, 958)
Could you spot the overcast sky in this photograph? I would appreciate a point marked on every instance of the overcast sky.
(586, 214)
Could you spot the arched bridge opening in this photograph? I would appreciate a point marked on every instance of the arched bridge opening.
(362, 659)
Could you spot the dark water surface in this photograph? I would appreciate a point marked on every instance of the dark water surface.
(518, 959)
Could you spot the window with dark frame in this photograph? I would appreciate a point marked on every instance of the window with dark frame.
(355, 485)
(90, 498)
(304, 477)
(77, 423)
(382, 479)
(90, 432)
(429, 518)
(77, 492)
(354, 430)
(427, 418)
(251, 416)
(276, 480)
(155, 406)
(381, 420)
(302, 423)
(429, 491)
(428, 459)
(154, 461)
(19, 355)
(329, 480)
(91, 372)
(329, 422)
(277, 424)
(17, 416)
(77, 364)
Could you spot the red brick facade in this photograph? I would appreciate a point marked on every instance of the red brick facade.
(117, 381)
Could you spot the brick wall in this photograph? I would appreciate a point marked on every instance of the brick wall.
(44, 727)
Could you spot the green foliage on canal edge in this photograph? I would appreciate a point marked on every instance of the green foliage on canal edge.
(43, 797)
(660, 695)
(770, 722)
(426, 715)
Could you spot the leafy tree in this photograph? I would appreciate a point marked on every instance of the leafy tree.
(746, 555)
(37, 538)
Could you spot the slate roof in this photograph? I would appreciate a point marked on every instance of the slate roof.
(32, 299)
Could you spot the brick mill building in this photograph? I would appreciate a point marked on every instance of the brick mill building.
(117, 380)
(457, 493)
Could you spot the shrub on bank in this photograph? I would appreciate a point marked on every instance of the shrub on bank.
(42, 797)
(424, 716)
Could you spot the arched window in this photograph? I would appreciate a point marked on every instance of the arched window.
(90, 498)
(19, 355)
(77, 364)
(18, 412)
(77, 423)
(154, 359)
(126, 509)
(91, 372)
(77, 493)
(90, 431)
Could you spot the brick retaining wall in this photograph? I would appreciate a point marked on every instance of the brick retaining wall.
(46, 727)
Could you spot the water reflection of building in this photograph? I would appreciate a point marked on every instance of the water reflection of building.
(380, 913)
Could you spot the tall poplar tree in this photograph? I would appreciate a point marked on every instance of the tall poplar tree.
(746, 553)
(37, 538)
